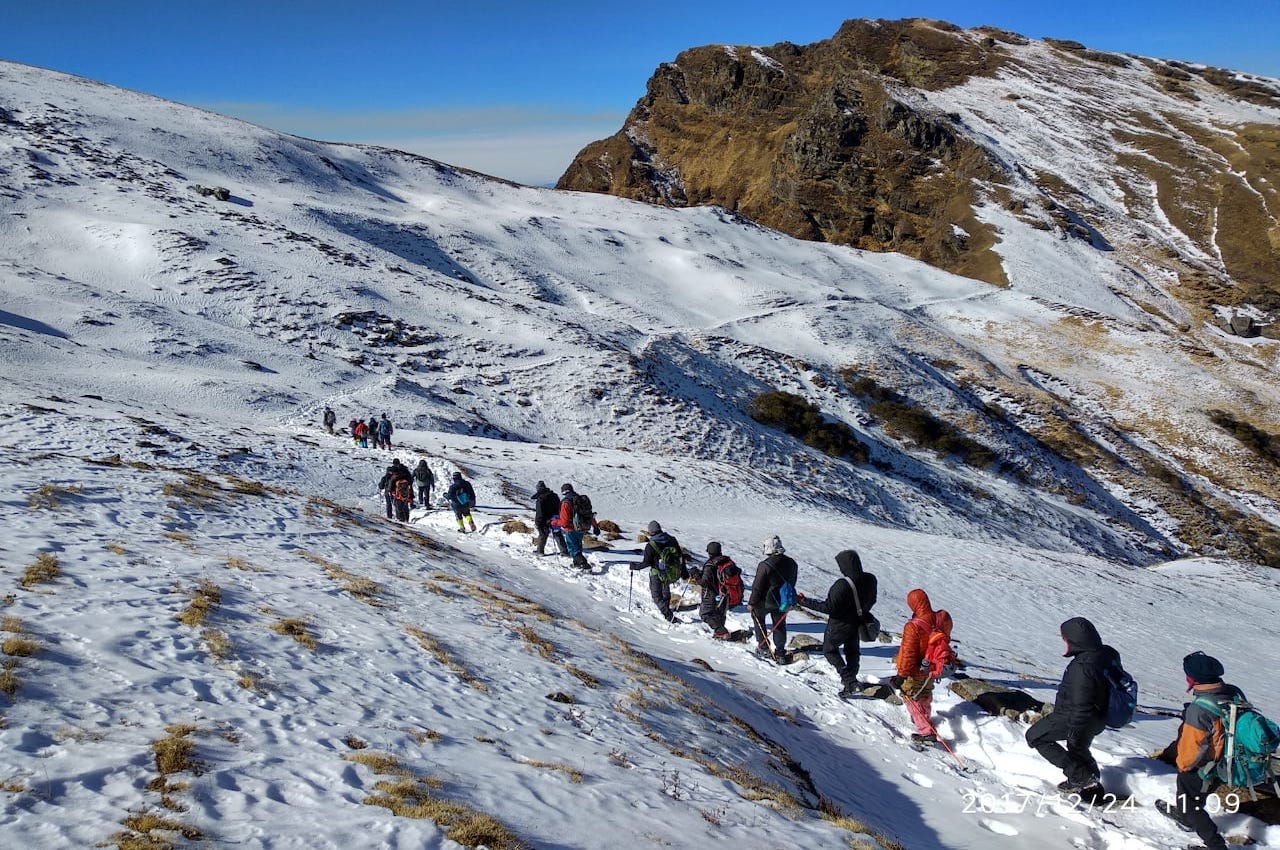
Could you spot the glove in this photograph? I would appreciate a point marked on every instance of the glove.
(799, 596)
(895, 682)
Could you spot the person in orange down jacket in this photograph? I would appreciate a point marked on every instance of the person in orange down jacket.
(915, 682)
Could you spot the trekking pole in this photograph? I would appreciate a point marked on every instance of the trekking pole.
(913, 708)
(768, 644)
(631, 582)
(680, 596)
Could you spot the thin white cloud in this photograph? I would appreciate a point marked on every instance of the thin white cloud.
(531, 145)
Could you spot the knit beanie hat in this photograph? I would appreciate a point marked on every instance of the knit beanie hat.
(654, 528)
(713, 549)
(1202, 669)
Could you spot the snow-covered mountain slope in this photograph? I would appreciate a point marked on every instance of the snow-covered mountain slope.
(178, 531)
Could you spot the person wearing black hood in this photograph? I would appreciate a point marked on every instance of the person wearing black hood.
(1200, 746)
(714, 606)
(426, 480)
(847, 606)
(461, 497)
(1080, 709)
(660, 590)
(546, 507)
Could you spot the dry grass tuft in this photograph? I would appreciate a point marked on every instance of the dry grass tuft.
(413, 798)
(173, 752)
(251, 682)
(9, 681)
(516, 526)
(151, 831)
(243, 565)
(383, 764)
(116, 549)
(11, 624)
(46, 496)
(206, 597)
(44, 569)
(217, 642)
(13, 786)
(19, 647)
(610, 529)
(590, 541)
(583, 676)
(573, 773)
(364, 589)
(244, 485)
(442, 655)
(545, 648)
(179, 537)
(355, 743)
(296, 629)
(424, 736)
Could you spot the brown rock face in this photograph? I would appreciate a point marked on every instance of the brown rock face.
(808, 140)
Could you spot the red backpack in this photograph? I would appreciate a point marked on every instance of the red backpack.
(729, 577)
(939, 659)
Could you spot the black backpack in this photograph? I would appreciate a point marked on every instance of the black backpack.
(583, 515)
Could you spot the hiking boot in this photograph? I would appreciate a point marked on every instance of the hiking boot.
(1171, 811)
(763, 653)
(1070, 786)
(917, 738)
(721, 635)
(849, 691)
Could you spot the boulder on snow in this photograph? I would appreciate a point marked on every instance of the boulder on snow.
(219, 193)
(1242, 325)
(804, 643)
(999, 700)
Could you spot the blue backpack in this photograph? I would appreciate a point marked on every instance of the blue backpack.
(786, 596)
(1122, 695)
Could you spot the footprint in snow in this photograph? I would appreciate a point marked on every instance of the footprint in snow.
(998, 827)
(919, 779)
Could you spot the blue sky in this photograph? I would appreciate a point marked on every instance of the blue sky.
(513, 88)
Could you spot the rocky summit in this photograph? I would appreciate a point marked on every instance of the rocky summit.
(945, 144)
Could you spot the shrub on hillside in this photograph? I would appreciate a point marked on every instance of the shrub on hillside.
(907, 420)
(797, 417)
(1264, 445)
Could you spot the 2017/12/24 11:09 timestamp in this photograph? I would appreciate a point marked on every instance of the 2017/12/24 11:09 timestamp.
(1017, 803)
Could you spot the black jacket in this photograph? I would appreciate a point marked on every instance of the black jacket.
(546, 506)
(461, 485)
(661, 540)
(1083, 694)
(770, 573)
(709, 581)
(840, 605)
(422, 473)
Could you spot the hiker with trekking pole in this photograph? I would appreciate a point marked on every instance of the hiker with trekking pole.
(773, 593)
(665, 560)
(924, 656)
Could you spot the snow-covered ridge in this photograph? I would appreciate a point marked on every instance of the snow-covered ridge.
(166, 358)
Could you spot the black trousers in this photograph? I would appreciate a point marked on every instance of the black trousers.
(1074, 760)
(402, 510)
(424, 495)
(660, 592)
(841, 636)
(712, 613)
(759, 620)
(1192, 791)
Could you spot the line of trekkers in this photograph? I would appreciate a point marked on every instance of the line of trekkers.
(1222, 741)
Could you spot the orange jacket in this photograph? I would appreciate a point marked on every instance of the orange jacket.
(915, 634)
(1201, 737)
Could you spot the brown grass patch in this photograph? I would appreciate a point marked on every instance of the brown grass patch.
(116, 549)
(583, 676)
(364, 589)
(610, 529)
(573, 773)
(11, 624)
(46, 495)
(545, 648)
(251, 682)
(445, 658)
(355, 743)
(516, 526)
(44, 569)
(217, 642)
(194, 489)
(204, 599)
(9, 681)
(296, 629)
(19, 647)
(12, 786)
(461, 824)
(173, 752)
(151, 831)
(424, 736)
(383, 764)
(243, 565)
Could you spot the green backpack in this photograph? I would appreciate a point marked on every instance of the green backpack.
(1250, 741)
(670, 563)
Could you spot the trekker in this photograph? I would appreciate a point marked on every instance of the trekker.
(776, 569)
(1080, 709)
(546, 505)
(330, 419)
(716, 602)
(914, 678)
(371, 432)
(847, 606)
(384, 487)
(426, 480)
(666, 563)
(360, 432)
(1200, 745)
(401, 489)
(461, 497)
(572, 526)
(384, 433)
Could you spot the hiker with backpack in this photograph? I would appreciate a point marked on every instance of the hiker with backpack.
(1080, 709)
(384, 487)
(330, 419)
(849, 619)
(1222, 739)
(384, 430)
(575, 518)
(546, 506)
(773, 593)
(426, 480)
(923, 657)
(401, 489)
(461, 497)
(722, 589)
(360, 433)
(666, 563)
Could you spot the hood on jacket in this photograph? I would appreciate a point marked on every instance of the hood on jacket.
(919, 603)
(850, 564)
(714, 549)
(1080, 635)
